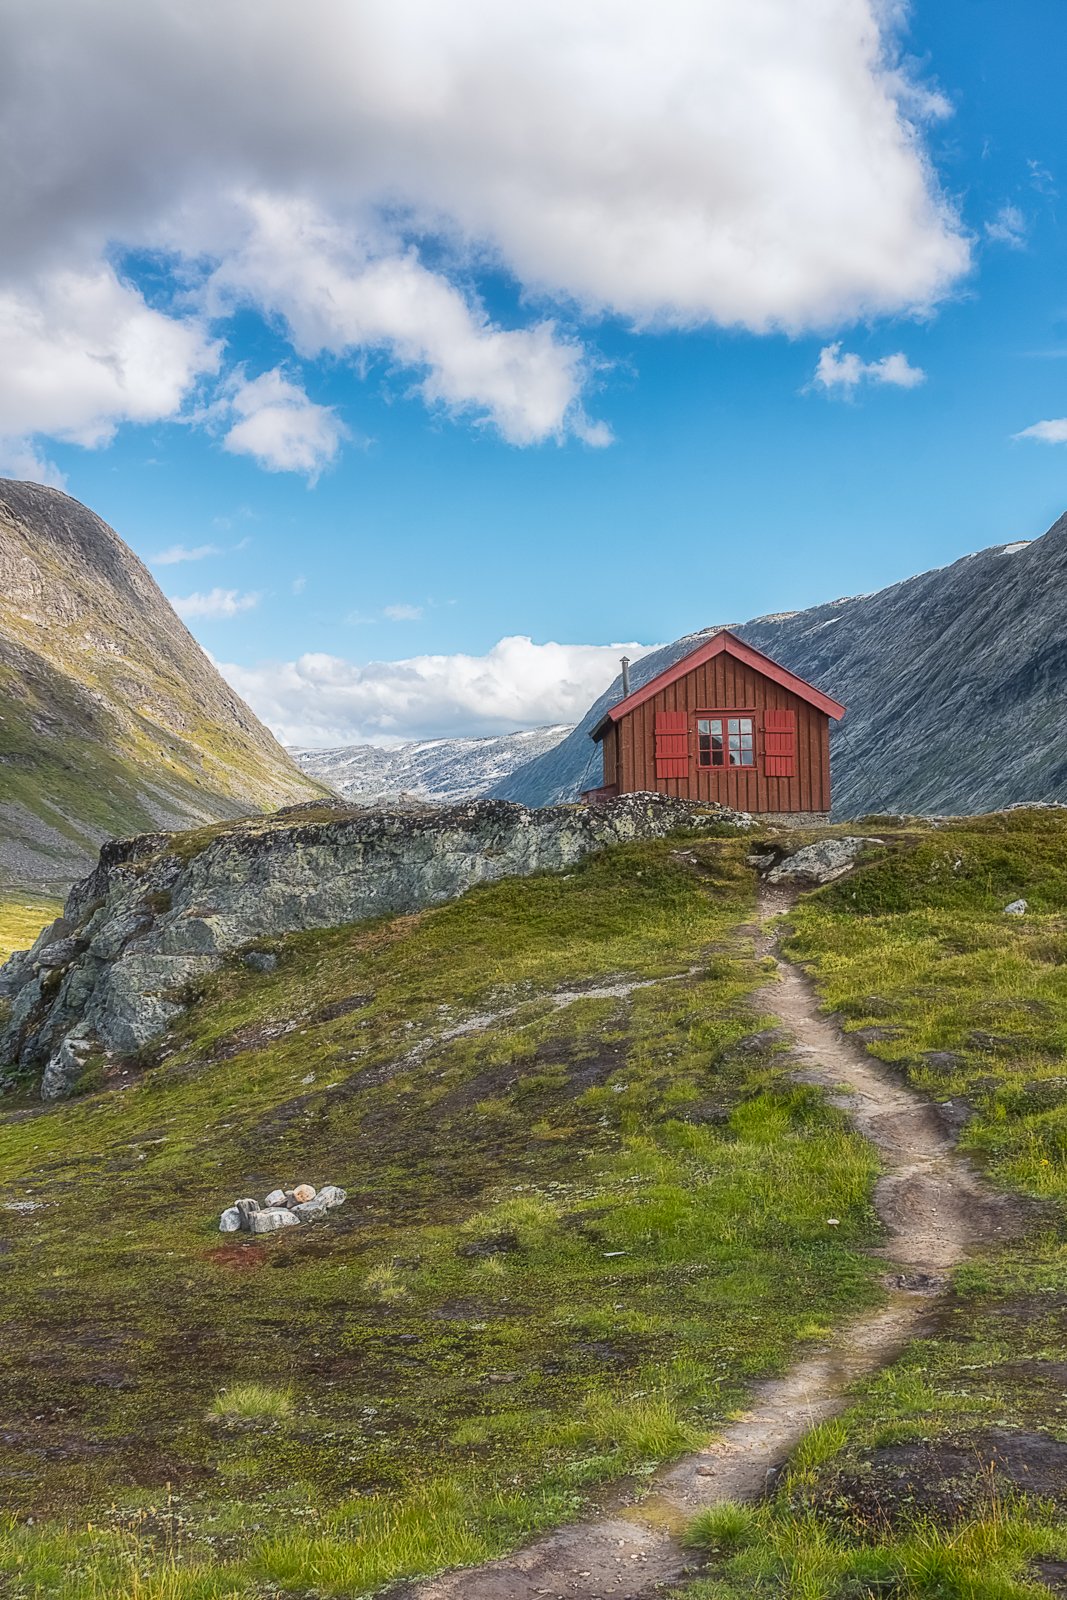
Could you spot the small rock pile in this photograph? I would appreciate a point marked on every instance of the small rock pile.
(282, 1208)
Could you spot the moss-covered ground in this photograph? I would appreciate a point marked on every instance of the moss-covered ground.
(948, 1477)
(572, 1236)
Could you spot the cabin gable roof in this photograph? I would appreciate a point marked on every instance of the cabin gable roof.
(722, 641)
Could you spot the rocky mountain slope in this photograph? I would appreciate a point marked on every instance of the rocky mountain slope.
(440, 771)
(955, 683)
(112, 719)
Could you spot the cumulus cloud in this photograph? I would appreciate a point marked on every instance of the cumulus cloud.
(846, 371)
(325, 700)
(758, 165)
(1008, 227)
(341, 292)
(1054, 431)
(280, 427)
(19, 458)
(216, 603)
(82, 352)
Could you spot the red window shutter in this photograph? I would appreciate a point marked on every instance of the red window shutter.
(780, 744)
(672, 744)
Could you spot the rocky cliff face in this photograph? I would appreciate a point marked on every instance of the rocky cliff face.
(112, 719)
(161, 911)
(440, 771)
(955, 683)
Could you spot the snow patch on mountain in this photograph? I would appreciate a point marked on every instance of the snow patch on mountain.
(436, 771)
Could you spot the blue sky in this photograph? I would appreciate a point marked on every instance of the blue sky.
(664, 459)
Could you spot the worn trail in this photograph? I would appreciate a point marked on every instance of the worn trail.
(934, 1208)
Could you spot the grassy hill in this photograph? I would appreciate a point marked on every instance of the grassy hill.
(587, 1206)
(112, 719)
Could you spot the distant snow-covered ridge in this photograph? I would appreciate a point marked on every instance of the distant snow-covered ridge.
(440, 771)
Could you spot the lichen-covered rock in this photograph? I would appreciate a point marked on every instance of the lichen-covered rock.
(66, 1066)
(328, 1197)
(269, 1221)
(162, 911)
(822, 861)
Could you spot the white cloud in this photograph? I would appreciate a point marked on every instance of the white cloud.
(216, 603)
(341, 292)
(846, 371)
(403, 613)
(759, 165)
(280, 427)
(324, 700)
(176, 553)
(1054, 431)
(81, 352)
(19, 458)
(1008, 227)
(299, 584)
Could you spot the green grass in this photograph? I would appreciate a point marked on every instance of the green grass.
(22, 916)
(571, 1240)
(248, 1401)
(947, 1477)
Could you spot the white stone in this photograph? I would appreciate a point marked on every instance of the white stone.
(1017, 908)
(275, 1198)
(230, 1221)
(270, 1221)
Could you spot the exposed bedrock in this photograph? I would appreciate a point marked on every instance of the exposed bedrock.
(162, 910)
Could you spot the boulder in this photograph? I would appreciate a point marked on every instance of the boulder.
(269, 1221)
(822, 861)
(65, 1067)
(303, 1193)
(1016, 908)
(246, 1210)
(260, 960)
(230, 1221)
(60, 953)
(275, 1198)
(328, 1197)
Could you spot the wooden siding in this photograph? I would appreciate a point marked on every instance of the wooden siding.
(724, 684)
(611, 747)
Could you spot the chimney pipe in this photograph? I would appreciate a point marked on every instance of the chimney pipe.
(625, 676)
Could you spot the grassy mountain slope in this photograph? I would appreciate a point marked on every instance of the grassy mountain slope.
(112, 719)
(947, 1480)
(571, 1235)
(574, 1234)
(953, 680)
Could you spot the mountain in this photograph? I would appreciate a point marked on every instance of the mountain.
(442, 771)
(112, 719)
(955, 683)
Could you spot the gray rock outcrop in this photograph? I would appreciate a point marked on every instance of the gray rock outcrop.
(822, 861)
(162, 911)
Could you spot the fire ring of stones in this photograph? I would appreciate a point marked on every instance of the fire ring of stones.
(282, 1208)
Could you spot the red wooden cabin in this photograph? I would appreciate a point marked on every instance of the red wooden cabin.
(724, 723)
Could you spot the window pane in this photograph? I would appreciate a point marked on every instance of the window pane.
(735, 725)
(703, 725)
